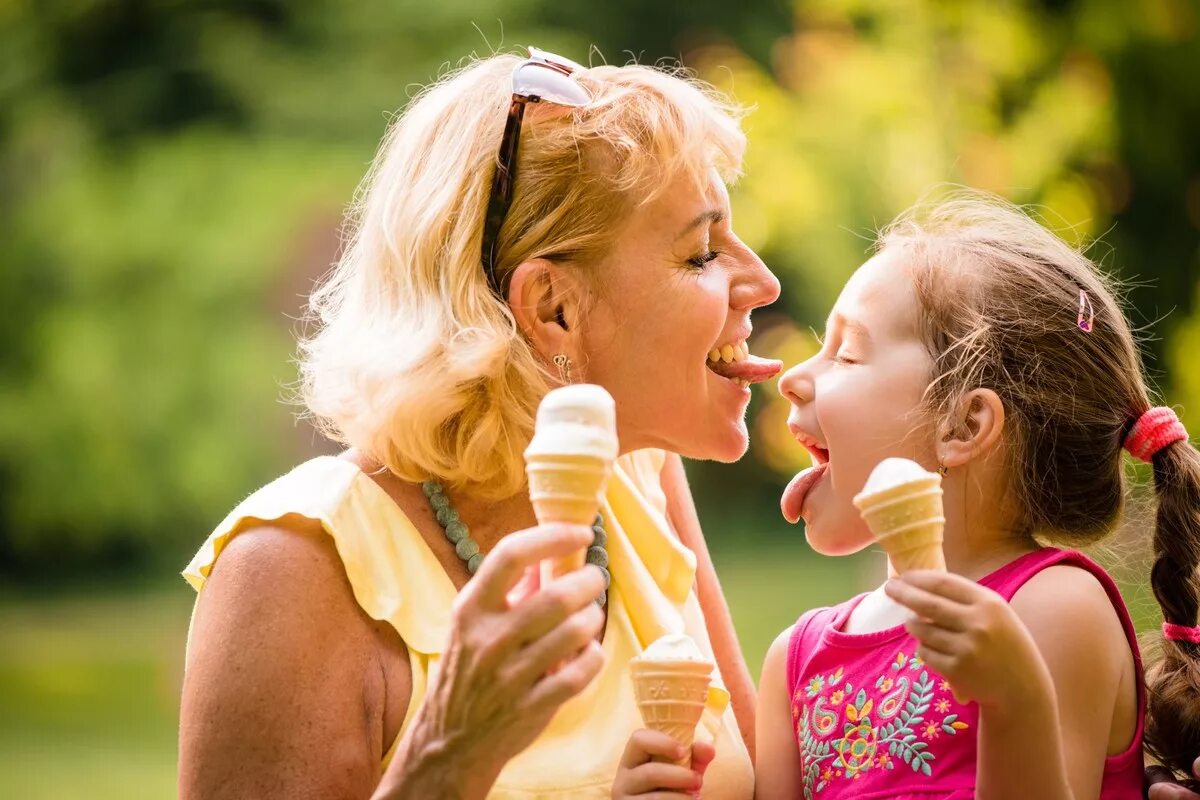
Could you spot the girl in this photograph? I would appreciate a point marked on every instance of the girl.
(977, 343)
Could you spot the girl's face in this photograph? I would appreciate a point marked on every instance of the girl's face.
(677, 286)
(857, 402)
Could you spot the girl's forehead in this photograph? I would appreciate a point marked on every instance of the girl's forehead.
(880, 296)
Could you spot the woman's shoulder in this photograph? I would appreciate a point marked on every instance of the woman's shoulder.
(348, 524)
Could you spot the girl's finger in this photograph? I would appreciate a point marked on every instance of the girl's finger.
(1170, 791)
(645, 744)
(943, 664)
(946, 584)
(702, 755)
(946, 613)
(933, 636)
(656, 776)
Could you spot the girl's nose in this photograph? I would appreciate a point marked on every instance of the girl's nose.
(796, 385)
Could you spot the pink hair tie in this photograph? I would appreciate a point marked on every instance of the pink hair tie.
(1153, 431)
(1181, 633)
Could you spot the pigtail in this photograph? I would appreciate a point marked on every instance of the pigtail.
(1173, 682)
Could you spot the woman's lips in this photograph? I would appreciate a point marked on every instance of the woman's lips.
(752, 369)
(792, 501)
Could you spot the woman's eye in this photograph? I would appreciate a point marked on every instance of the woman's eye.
(699, 262)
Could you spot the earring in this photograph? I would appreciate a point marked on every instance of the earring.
(564, 367)
(942, 469)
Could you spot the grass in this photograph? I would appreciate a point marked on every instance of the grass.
(90, 680)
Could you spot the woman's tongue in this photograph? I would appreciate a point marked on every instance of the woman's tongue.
(751, 368)
(792, 501)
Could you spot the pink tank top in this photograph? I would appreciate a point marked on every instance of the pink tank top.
(873, 721)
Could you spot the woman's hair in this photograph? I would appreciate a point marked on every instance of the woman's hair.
(1000, 301)
(413, 359)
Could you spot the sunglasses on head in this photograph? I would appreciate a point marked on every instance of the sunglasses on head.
(541, 78)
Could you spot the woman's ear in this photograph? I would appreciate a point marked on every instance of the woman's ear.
(543, 302)
(974, 430)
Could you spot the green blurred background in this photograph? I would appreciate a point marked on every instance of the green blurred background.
(172, 177)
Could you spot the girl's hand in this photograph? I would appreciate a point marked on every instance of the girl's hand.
(1163, 786)
(639, 776)
(971, 636)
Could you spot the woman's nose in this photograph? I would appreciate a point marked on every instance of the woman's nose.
(796, 385)
(754, 285)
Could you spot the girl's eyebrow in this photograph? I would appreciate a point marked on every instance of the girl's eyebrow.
(848, 324)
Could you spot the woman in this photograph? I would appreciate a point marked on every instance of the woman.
(339, 634)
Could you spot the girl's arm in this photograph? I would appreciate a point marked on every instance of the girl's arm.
(681, 512)
(778, 771)
(1045, 670)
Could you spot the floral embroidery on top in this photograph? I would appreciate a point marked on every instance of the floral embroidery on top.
(891, 722)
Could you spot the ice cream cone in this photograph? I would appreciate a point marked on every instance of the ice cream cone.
(569, 460)
(672, 692)
(902, 505)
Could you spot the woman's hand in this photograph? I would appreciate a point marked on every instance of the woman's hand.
(1163, 786)
(970, 636)
(640, 776)
(513, 658)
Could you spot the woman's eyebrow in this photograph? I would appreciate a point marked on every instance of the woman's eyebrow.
(712, 216)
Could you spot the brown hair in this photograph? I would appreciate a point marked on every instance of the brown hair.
(999, 299)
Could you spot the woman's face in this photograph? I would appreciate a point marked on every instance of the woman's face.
(857, 402)
(677, 287)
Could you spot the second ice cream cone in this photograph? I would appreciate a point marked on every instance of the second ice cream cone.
(671, 696)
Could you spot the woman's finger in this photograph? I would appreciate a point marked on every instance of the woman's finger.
(656, 776)
(540, 613)
(566, 682)
(562, 642)
(946, 613)
(645, 744)
(932, 635)
(508, 560)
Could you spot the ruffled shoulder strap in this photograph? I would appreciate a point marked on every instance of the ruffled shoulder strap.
(394, 575)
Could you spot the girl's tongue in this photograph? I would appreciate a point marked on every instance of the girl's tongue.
(792, 502)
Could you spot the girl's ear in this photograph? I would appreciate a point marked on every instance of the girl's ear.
(973, 430)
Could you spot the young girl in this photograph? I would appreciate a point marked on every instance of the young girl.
(980, 345)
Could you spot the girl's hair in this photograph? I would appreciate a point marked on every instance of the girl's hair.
(414, 360)
(1000, 299)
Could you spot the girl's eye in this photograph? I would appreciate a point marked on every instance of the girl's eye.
(842, 358)
(699, 262)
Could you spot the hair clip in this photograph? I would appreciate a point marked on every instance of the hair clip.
(1086, 314)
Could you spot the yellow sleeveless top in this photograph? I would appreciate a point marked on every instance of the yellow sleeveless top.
(396, 577)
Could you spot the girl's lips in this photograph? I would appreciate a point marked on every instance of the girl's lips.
(792, 502)
(752, 369)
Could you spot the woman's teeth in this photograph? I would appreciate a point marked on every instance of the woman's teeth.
(738, 351)
(727, 354)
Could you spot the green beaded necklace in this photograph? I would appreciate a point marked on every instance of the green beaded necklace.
(468, 549)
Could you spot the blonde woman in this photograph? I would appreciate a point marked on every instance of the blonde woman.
(363, 628)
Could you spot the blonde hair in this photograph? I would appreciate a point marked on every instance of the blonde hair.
(414, 360)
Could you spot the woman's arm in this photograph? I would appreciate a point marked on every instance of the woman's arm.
(284, 687)
(778, 772)
(276, 701)
(681, 512)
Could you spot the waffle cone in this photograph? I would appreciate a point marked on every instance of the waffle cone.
(908, 523)
(671, 696)
(566, 488)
